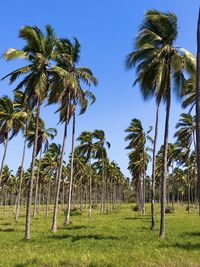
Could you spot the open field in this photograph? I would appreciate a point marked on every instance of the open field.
(119, 239)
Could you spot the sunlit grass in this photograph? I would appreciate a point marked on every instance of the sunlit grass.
(118, 239)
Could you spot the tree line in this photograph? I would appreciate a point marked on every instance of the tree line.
(51, 75)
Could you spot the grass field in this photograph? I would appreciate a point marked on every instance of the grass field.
(119, 239)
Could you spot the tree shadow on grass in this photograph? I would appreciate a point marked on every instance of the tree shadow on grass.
(5, 223)
(187, 246)
(75, 227)
(191, 234)
(7, 230)
(32, 262)
(133, 218)
(81, 237)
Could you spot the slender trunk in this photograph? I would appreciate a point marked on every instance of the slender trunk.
(36, 186)
(173, 186)
(188, 178)
(4, 156)
(143, 186)
(21, 179)
(102, 188)
(30, 186)
(67, 219)
(153, 224)
(59, 173)
(54, 223)
(164, 167)
(48, 198)
(198, 109)
(90, 189)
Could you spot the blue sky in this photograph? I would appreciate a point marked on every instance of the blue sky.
(106, 31)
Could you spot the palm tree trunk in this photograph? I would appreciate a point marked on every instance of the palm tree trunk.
(58, 180)
(153, 224)
(36, 187)
(198, 109)
(67, 219)
(188, 180)
(102, 187)
(30, 187)
(21, 178)
(90, 189)
(4, 156)
(55, 211)
(143, 186)
(164, 167)
(48, 198)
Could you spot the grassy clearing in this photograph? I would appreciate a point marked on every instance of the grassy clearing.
(119, 239)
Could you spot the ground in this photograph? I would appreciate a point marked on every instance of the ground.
(122, 238)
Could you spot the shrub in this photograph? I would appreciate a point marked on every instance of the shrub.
(75, 212)
(169, 210)
(135, 208)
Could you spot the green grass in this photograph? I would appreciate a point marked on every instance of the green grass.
(119, 239)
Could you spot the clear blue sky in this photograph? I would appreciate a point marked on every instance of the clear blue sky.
(106, 30)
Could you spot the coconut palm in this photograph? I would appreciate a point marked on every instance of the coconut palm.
(86, 150)
(38, 52)
(11, 122)
(198, 107)
(101, 156)
(66, 90)
(137, 138)
(21, 104)
(157, 37)
(42, 145)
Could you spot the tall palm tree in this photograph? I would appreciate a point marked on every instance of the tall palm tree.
(198, 107)
(101, 156)
(66, 90)
(38, 52)
(86, 150)
(21, 103)
(137, 138)
(11, 122)
(42, 145)
(157, 37)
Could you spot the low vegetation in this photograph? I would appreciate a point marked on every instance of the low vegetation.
(122, 238)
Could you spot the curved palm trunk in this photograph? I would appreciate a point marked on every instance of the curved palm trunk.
(36, 187)
(30, 187)
(153, 224)
(58, 180)
(20, 180)
(198, 109)
(4, 157)
(67, 220)
(164, 167)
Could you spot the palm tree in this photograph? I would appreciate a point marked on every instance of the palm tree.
(66, 90)
(50, 163)
(11, 122)
(42, 145)
(86, 150)
(38, 52)
(21, 103)
(198, 107)
(138, 156)
(158, 34)
(101, 156)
